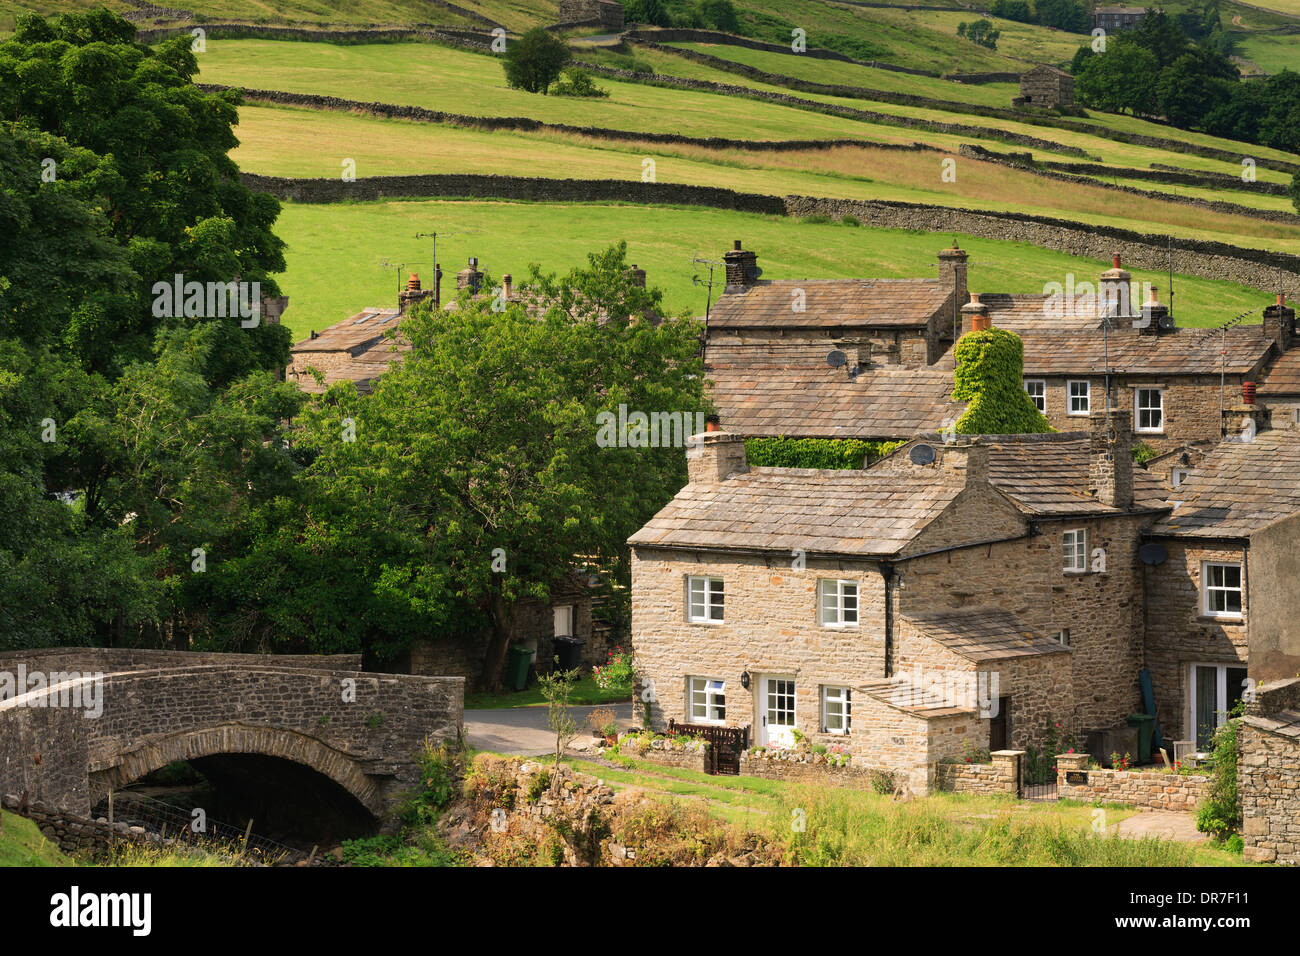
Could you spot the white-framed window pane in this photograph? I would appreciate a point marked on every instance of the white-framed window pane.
(838, 603)
(1222, 586)
(708, 699)
(849, 602)
(1178, 476)
(704, 599)
(1080, 393)
(1075, 550)
(1150, 410)
(1037, 391)
(837, 710)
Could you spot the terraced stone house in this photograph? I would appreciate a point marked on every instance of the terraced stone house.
(952, 597)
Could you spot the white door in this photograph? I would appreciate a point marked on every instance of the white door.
(776, 712)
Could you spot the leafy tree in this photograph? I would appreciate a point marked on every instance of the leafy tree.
(476, 478)
(1295, 191)
(534, 61)
(990, 377)
(1069, 15)
(1017, 10)
(1185, 93)
(575, 81)
(981, 32)
(1160, 34)
(650, 12)
(720, 15)
(170, 192)
(557, 687)
(1123, 78)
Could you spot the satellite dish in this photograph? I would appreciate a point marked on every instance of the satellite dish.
(836, 359)
(758, 271)
(921, 454)
(1152, 554)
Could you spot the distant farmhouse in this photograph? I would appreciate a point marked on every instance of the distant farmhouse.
(1045, 86)
(1114, 19)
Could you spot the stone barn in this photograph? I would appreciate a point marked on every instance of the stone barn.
(604, 13)
(1045, 86)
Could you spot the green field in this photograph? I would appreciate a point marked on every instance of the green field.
(22, 844)
(336, 252)
(307, 143)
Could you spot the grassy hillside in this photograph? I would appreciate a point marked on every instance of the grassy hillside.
(336, 253)
(22, 844)
(307, 143)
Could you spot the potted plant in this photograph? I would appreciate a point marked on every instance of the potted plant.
(605, 723)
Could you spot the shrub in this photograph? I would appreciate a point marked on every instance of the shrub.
(980, 32)
(850, 220)
(534, 61)
(1220, 814)
(438, 771)
(575, 81)
(815, 452)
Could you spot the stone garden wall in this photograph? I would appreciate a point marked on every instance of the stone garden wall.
(808, 768)
(1137, 788)
(1002, 775)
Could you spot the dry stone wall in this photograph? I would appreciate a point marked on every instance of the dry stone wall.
(1145, 789)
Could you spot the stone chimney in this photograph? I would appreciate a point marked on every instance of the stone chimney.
(742, 268)
(1279, 324)
(966, 459)
(712, 456)
(1115, 289)
(637, 276)
(975, 316)
(273, 307)
(411, 294)
(1110, 457)
(470, 277)
(507, 286)
(1246, 419)
(1155, 317)
(952, 278)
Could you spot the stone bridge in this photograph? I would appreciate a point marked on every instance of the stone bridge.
(93, 720)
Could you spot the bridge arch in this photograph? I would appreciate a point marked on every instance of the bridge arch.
(127, 766)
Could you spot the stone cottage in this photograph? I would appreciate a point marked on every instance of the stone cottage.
(953, 597)
(1219, 575)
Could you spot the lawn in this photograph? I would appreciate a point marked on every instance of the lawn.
(585, 692)
(829, 826)
(336, 252)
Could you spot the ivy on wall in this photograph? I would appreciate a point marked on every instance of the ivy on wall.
(990, 376)
(815, 452)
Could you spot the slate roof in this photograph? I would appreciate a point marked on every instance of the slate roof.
(364, 337)
(1239, 488)
(1284, 722)
(358, 331)
(985, 634)
(887, 402)
(1179, 352)
(1051, 477)
(889, 692)
(1283, 377)
(1037, 312)
(896, 303)
(1044, 474)
(854, 513)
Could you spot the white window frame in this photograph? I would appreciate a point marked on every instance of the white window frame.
(1039, 400)
(1220, 693)
(567, 611)
(708, 588)
(834, 590)
(708, 690)
(1208, 589)
(1086, 396)
(843, 696)
(1074, 544)
(1061, 637)
(1178, 475)
(1138, 409)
